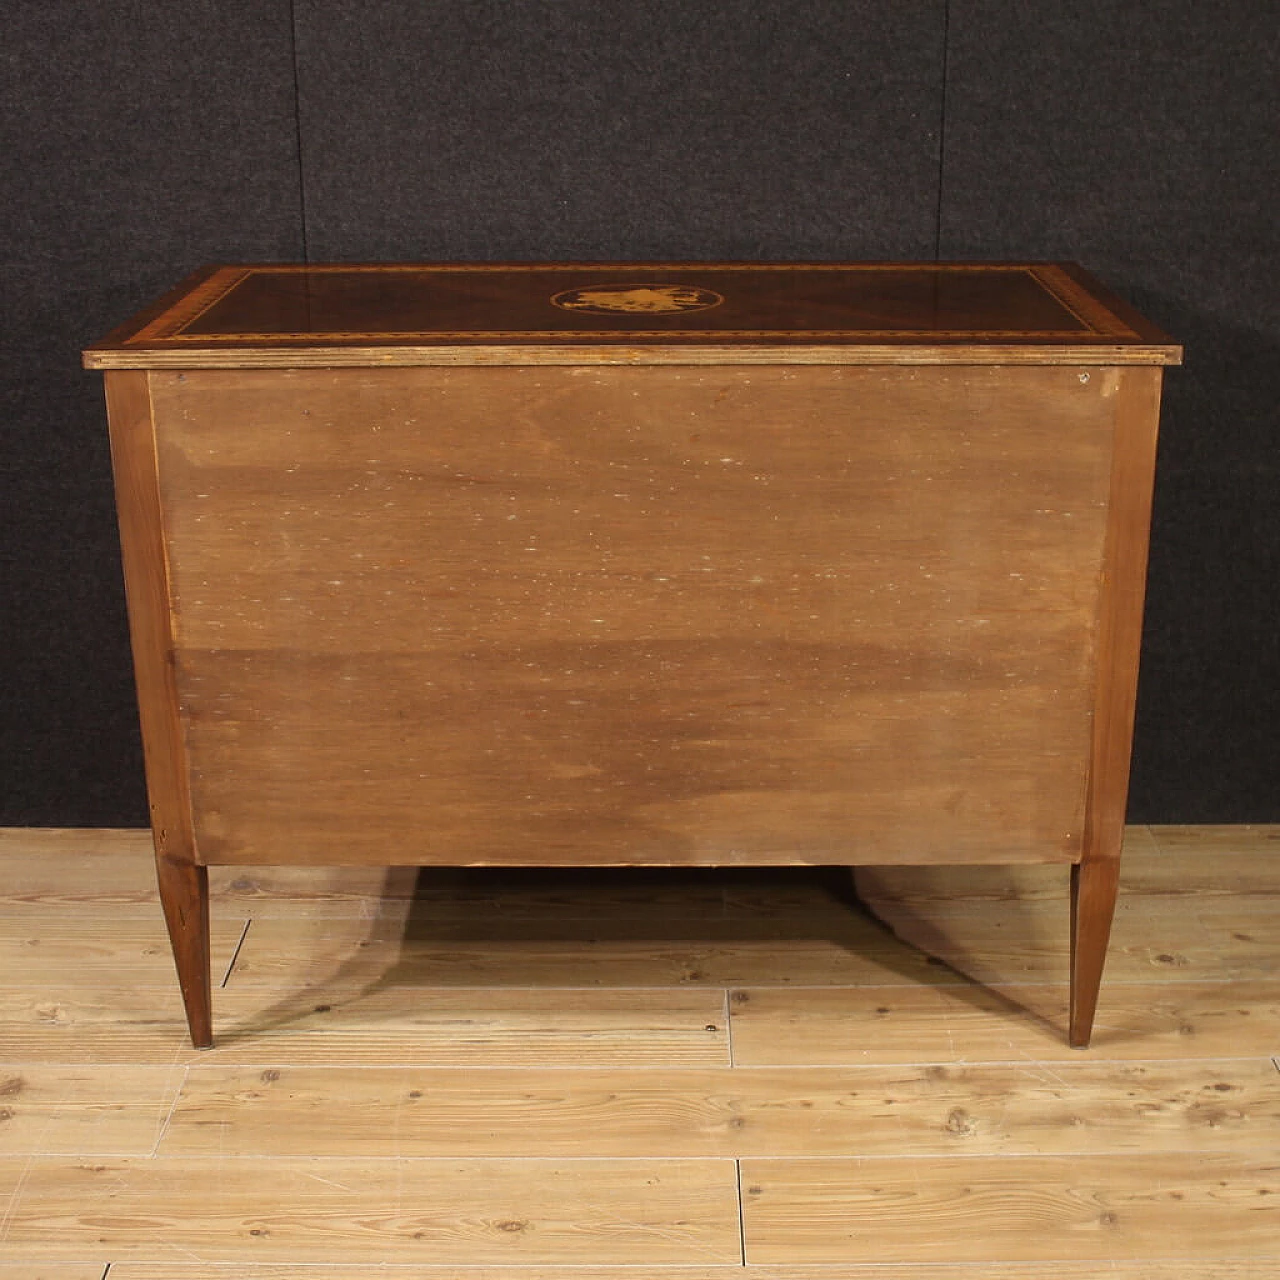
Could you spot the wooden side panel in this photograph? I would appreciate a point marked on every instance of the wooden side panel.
(1095, 881)
(184, 887)
(1120, 607)
(133, 460)
(662, 615)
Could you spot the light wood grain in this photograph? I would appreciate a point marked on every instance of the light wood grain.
(1207, 843)
(812, 938)
(460, 1212)
(484, 948)
(1155, 939)
(1081, 1107)
(43, 950)
(86, 1110)
(34, 1269)
(394, 1024)
(1114, 1270)
(1040, 1208)
(972, 1092)
(826, 1026)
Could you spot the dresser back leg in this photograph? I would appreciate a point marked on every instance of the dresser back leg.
(184, 895)
(1094, 884)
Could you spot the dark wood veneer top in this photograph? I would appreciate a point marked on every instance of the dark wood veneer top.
(253, 309)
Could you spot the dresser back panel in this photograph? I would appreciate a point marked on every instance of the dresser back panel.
(659, 614)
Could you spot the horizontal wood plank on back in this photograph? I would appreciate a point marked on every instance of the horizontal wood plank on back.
(50, 1109)
(1082, 1107)
(352, 1023)
(534, 1212)
(830, 1026)
(1038, 1208)
(608, 631)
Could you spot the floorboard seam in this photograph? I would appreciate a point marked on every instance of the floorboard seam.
(728, 1027)
(173, 1106)
(235, 955)
(742, 1217)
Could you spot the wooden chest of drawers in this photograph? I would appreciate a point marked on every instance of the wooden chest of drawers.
(635, 564)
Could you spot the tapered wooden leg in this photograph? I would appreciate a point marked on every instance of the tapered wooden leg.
(184, 895)
(1093, 903)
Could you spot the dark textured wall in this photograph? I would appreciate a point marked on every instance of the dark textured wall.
(650, 129)
(1144, 141)
(143, 140)
(137, 141)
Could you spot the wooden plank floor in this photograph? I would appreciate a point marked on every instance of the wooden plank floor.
(650, 1075)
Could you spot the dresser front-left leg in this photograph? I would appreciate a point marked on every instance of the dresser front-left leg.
(184, 895)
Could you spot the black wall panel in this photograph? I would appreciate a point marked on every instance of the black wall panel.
(138, 141)
(1142, 140)
(656, 128)
(141, 140)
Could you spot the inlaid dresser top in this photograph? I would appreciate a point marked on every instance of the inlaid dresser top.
(659, 313)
